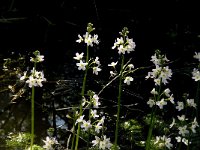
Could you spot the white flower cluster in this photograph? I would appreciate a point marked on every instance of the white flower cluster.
(95, 122)
(103, 143)
(184, 125)
(126, 69)
(196, 72)
(82, 64)
(163, 141)
(161, 74)
(36, 77)
(88, 39)
(166, 96)
(124, 45)
(50, 143)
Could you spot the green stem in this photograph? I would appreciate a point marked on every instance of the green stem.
(119, 102)
(32, 110)
(82, 95)
(32, 116)
(150, 129)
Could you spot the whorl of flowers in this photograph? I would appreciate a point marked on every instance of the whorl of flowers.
(87, 38)
(124, 44)
(162, 73)
(36, 77)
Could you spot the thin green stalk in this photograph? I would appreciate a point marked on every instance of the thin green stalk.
(119, 102)
(74, 131)
(32, 110)
(32, 116)
(82, 95)
(150, 129)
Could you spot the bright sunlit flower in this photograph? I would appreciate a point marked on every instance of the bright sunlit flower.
(50, 142)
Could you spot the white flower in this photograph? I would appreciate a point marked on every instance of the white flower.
(78, 56)
(96, 102)
(183, 130)
(194, 125)
(151, 103)
(185, 141)
(95, 39)
(81, 65)
(166, 92)
(196, 74)
(161, 103)
(31, 81)
(98, 127)
(191, 103)
(112, 74)
(24, 76)
(154, 92)
(94, 114)
(130, 66)
(96, 61)
(181, 118)
(88, 39)
(86, 125)
(178, 139)
(96, 70)
(128, 80)
(96, 141)
(80, 119)
(80, 39)
(197, 56)
(49, 143)
(180, 106)
(113, 64)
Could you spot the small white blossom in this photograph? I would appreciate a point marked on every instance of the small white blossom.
(191, 103)
(78, 56)
(50, 142)
(96, 70)
(81, 65)
(161, 103)
(151, 103)
(196, 74)
(113, 64)
(128, 80)
(197, 56)
(183, 130)
(180, 106)
(86, 125)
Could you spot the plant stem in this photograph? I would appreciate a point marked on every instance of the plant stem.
(119, 102)
(32, 116)
(150, 129)
(82, 95)
(32, 110)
